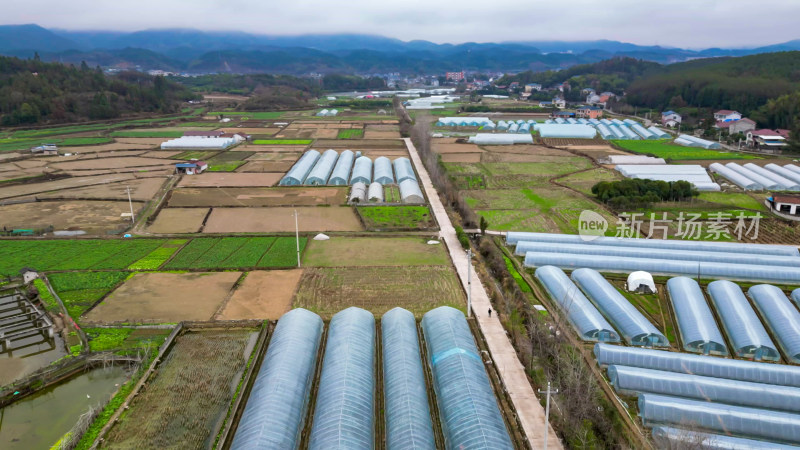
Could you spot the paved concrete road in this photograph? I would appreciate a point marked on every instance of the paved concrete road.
(512, 373)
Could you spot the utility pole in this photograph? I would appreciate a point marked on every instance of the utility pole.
(297, 237)
(469, 282)
(547, 411)
(130, 203)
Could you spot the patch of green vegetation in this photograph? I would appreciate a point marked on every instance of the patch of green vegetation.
(225, 166)
(159, 256)
(24, 144)
(735, 199)
(60, 130)
(147, 134)
(232, 253)
(198, 124)
(80, 290)
(244, 115)
(523, 285)
(283, 253)
(396, 217)
(49, 301)
(663, 149)
(282, 141)
(350, 134)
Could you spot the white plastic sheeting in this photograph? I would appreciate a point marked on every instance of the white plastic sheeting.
(635, 159)
(708, 366)
(383, 170)
(784, 172)
(358, 193)
(783, 183)
(582, 315)
(635, 380)
(782, 318)
(322, 169)
(343, 415)
(464, 121)
(277, 406)
(501, 139)
(691, 141)
(735, 177)
(643, 132)
(403, 170)
(675, 438)
(749, 338)
(410, 192)
(738, 420)
(699, 331)
(633, 326)
(576, 130)
(362, 171)
(604, 132)
(468, 409)
(629, 134)
(796, 297)
(692, 173)
(408, 418)
(659, 133)
(375, 192)
(300, 170)
(341, 171)
(641, 281)
(193, 142)
(617, 132)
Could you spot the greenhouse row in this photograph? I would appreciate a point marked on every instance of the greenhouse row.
(607, 129)
(698, 329)
(565, 131)
(691, 141)
(410, 192)
(464, 122)
(780, 316)
(332, 168)
(756, 178)
(198, 142)
(692, 173)
(343, 416)
(669, 437)
(581, 313)
(327, 113)
(634, 159)
(500, 139)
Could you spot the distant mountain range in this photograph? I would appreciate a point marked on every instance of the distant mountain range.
(195, 51)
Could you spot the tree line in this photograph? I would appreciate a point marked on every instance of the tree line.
(642, 193)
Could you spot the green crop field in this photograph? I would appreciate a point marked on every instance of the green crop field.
(159, 256)
(124, 341)
(80, 290)
(734, 199)
(236, 253)
(224, 166)
(148, 134)
(663, 149)
(26, 143)
(263, 115)
(350, 134)
(283, 253)
(396, 217)
(198, 124)
(60, 130)
(282, 141)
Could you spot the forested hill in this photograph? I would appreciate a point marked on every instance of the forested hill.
(32, 92)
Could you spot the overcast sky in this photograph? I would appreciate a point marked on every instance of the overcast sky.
(680, 23)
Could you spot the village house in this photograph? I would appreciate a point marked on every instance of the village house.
(671, 119)
(191, 167)
(785, 204)
(589, 112)
(725, 115)
(764, 138)
(737, 126)
(533, 87)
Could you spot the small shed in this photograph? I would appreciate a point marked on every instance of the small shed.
(641, 282)
(191, 167)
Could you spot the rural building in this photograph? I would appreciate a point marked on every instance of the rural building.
(204, 134)
(767, 138)
(726, 115)
(191, 167)
(589, 112)
(588, 91)
(454, 76)
(563, 114)
(737, 126)
(787, 204)
(45, 149)
(671, 119)
(545, 104)
(531, 87)
(559, 103)
(238, 137)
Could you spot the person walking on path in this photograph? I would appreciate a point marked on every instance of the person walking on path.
(490, 312)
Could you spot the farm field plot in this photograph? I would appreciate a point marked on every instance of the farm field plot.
(444, 148)
(165, 298)
(64, 183)
(237, 253)
(250, 130)
(302, 142)
(50, 255)
(247, 115)
(230, 180)
(141, 189)
(596, 151)
(159, 256)
(93, 217)
(277, 156)
(187, 399)
(196, 154)
(142, 142)
(350, 134)
(419, 289)
(260, 166)
(80, 290)
(732, 199)
(271, 149)
(663, 149)
(396, 217)
(103, 148)
(168, 154)
(583, 181)
(178, 220)
(377, 251)
(155, 133)
(255, 196)
(461, 157)
(281, 219)
(262, 295)
(386, 144)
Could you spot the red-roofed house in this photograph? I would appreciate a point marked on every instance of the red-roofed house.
(787, 204)
(725, 115)
(767, 138)
(737, 126)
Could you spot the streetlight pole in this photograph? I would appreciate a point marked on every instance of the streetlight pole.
(547, 411)
(130, 203)
(297, 237)
(469, 282)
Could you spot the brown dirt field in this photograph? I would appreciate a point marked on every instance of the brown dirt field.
(271, 148)
(112, 163)
(10, 155)
(282, 156)
(443, 148)
(35, 188)
(395, 144)
(391, 154)
(598, 151)
(509, 157)
(369, 134)
(253, 130)
(287, 133)
(178, 220)
(102, 148)
(142, 142)
(230, 179)
(325, 134)
(281, 219)
(266, 166)
(165, 297)
(137, 172)
(461, 157)
(30, 163)
(161, 153)
(141, 189)
(383, 128)
(249, 196)
(262, 295)
(94, 217)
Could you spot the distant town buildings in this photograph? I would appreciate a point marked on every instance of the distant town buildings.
(454, 76)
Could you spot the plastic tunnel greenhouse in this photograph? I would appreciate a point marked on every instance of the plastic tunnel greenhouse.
(276, 408)
(341, 172)
(668, 437)
(709, 366)
(566, 131)
(635, 380)
(659, 133)
(615, 130)
(375, 192)
(738, 420)
(735, 177)
(300, 170)
(780, 316)
(344, 416)
(358, 193)
(796, 297)
(604, 132)
(582, 315)
(403, 170)
(783, 183)
(410, 192)
(749, 338)
(633, 326)
(362, 171)
(322, 170)
(783, 171)
(699, 332)
(383, 170)
(408, 418)
(468, 409)
(767, 183)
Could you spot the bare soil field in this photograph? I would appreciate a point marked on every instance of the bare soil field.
(178, 220)
(461, 157)
(262, 295)
(271, 148)
(251, 131)
(443, 148)
(94, 217)
(395, 144)
(296, 133)
(113, 163)
(102, 148)
(281, 219)
(142, 189)
(230, 179)
(278, 196)
(165, 298)
(64, 183)
(266, 166)
(392, 154)
(418, 289)
(373, 251)
(325, 134)
(383, 128)
(161, 153)
(142, 142)
(370, 134)
(559, 142)
(276, 156)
